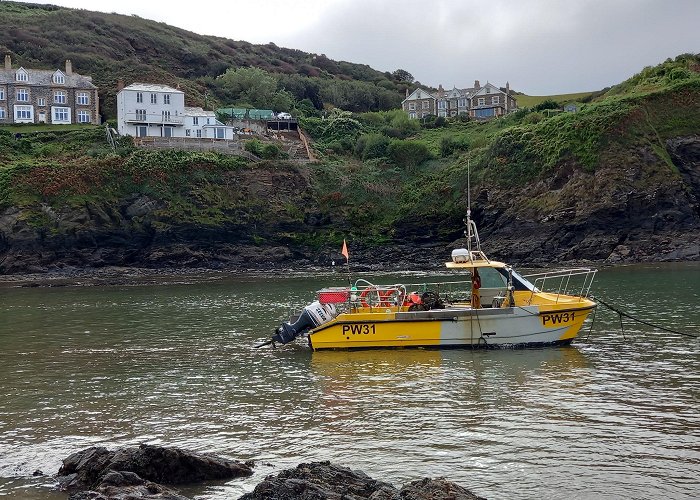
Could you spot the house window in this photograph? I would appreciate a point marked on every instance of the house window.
(41, 102)
(462, 103)
(2, 113)
(141, 115)
(195, 120)
(22, 95)
(166, 98)
(59, 97)
(21, 76)
(482, 101)
(411, 106)
(199, 132)
(2, 94)
(83, 117)
(59, 78)
(495, 99)
(442, 104)
(139, 96)
(24, 113)
(154, 98)
(412, 114)
(220, 133)
(165, 116)
(188, 133)
(207, 121)
(61, 115)
(83, 98)
(426, 104)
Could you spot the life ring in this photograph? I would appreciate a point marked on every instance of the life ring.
(384, 297)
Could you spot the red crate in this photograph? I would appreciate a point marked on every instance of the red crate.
(333, 296)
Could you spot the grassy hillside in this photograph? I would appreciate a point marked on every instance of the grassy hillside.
(529, 101)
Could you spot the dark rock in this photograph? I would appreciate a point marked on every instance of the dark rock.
(87, 469)
(125, 485)
(436, 489)
(320, 481)
(38, 472)
(326, 481)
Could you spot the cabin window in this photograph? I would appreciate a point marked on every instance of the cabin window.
(21, 76)
(139, 96)
(166, 98)
(154, 98)
(195, 120)
(59, 78)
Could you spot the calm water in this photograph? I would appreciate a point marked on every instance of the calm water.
(174, 364)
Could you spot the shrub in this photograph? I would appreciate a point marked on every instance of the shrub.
(370, 146)
(449, 145)
(408, 154)
(270, 151)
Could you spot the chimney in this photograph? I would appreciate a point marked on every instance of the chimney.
(441, 91)
(8, 61)
(507, 88)
(120, 84)
(69, 67)
(407, 94)
(477, 86)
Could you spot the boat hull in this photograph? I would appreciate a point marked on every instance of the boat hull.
(458, 327)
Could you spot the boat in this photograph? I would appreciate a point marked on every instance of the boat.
(492, 306)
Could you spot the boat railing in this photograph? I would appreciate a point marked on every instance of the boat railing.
(364, 294)
(571, 282)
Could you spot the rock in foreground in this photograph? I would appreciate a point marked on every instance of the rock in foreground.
(134, 472)
(325, 481)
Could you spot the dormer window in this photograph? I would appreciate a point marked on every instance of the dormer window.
(21, 75)
(59, 78)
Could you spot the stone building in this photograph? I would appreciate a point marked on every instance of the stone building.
(47, 96)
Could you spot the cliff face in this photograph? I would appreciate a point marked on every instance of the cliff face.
(649, 211)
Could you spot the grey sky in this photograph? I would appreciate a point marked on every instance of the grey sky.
(540, 46)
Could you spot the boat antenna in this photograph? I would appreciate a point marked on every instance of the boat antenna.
(470, 232)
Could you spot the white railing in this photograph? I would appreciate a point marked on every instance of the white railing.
(154, 118)
(573, 282)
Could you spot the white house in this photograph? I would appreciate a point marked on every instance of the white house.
(201, 123)
(150, 110)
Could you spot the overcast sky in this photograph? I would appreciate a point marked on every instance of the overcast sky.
(541, 47)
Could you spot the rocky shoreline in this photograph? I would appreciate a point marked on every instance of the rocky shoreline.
(152, 472)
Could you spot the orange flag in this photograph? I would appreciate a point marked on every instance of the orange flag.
(344, 251)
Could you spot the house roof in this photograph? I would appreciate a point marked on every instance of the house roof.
(484, 90)
(44, 78)
(253, 114)
(419, 93)
(190, 111)
(152, 87)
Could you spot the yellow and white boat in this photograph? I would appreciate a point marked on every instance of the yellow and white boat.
(494, 307)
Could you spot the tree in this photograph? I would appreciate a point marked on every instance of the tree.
(403, 76)
(252, 85)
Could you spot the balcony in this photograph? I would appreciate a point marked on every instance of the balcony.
(152, 118)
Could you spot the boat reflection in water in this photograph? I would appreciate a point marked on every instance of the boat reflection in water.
(376, 388)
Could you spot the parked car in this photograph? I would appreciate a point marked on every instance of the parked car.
(284, 116)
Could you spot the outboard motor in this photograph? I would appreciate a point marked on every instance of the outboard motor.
(313, 315)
